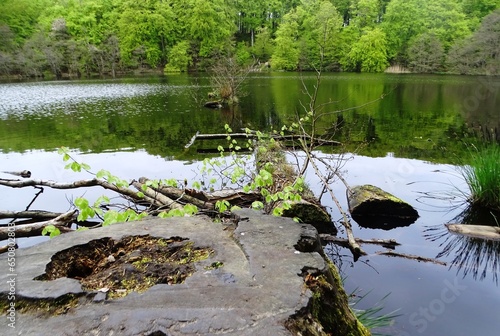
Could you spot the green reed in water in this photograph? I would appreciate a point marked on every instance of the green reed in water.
(483, 177)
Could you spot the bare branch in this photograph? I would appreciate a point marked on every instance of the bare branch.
(35, 229)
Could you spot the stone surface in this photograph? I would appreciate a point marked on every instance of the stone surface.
(257, 289)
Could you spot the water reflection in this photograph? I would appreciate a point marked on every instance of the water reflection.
(476, 257)
(382, 222)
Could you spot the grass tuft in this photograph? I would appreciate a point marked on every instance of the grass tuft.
(482, 174)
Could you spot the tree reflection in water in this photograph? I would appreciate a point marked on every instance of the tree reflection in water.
(471, 256)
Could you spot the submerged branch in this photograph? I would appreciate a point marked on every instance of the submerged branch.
(291, 137)
(412, 257)
(387, 243)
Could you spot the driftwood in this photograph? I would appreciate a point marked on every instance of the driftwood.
(152, 194)
(5, 248)
(70, 185)
(411, 256)
(38, 214)
(475, 231)
(24, 173)
(30, 230)
(387, 243)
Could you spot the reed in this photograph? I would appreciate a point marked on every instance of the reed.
(482, 174)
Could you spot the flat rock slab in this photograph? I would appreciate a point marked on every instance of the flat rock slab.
(258, 287)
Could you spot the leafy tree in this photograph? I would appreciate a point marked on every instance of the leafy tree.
(369, 54)
(406, 19)
(147, 26)
(477, 9)
(210, 26)
(264, 44)
(179, 58)
(426, 54)
(479, 54)
(21, 16)
(365, 13)
(286, 52)
(320, 26)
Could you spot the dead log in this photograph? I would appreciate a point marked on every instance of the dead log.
(35, 229)
(157, 197)
(411, 257)
(387, 243)
(5, 248)
(71, 185)
(24, 173)
(36, 214)
(373, 207)
(475, 231)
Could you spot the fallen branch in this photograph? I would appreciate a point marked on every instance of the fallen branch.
(200, 199)
(156, 196)
(5, 248)
(35, 229)
(37, 214)
(411, 256)
(24, 173)
(70, 185)
(387, 243)
(475, 231)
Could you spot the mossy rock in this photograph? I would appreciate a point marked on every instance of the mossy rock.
(373, 207)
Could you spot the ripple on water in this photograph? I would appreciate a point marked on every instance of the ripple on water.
(42, 98)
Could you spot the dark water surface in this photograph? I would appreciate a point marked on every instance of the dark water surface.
(409, 142)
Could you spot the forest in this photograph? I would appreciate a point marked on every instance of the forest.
(83, 38)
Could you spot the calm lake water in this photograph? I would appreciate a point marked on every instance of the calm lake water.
(409, 141)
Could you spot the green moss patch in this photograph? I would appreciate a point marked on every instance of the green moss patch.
(133, 263)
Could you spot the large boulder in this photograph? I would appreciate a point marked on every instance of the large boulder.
(178, 276)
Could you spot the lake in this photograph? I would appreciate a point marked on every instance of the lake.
(407, 134)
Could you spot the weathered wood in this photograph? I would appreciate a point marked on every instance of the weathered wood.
(24, 173)
(35, 229)
(411, 256)
(5, 248)
(70, 185)
(200, 199)
(475, 231)
(38, 214)
(373, 207)
(155, 195)
(387, 243)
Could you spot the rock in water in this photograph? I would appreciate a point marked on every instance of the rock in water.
(373, 207)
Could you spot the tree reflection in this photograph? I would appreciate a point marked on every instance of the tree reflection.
(471, 256)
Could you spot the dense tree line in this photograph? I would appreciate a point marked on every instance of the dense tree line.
(84, 37)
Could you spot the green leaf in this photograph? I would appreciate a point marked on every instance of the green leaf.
(140, 194)
(190, 209)
(102, 173)
(81, 202)
(66, 157)
(258, 205)
(76, 167)
(278, 212)
(51, 230)
(85, 166)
